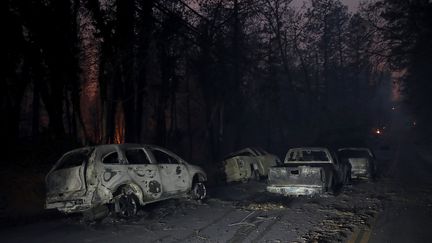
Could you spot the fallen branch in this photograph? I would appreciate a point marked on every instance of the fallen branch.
(242, 221)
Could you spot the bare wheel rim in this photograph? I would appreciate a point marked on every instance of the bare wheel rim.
(127, 205)
(256, 175)
(199, 191)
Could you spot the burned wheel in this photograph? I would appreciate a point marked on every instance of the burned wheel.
(331, 187)
(198, 191)
(126, 205)
(256, 175)
(348, 179)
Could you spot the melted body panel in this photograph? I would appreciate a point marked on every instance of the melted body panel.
(67, 180)
(148, 177)
(246, 163)
(68, 174)
(266, 162)
(175, 178)
(238, 168)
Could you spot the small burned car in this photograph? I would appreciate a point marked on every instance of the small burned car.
(308, 171)
(122, 177)
(248, 163)
(362, 160)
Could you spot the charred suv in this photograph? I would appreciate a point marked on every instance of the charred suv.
(122, 176)
(308, 171)
(362, 160)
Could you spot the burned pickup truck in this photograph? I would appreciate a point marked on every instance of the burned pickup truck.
(248, 163)
(120, 177)
(308, 171)
(362, 160)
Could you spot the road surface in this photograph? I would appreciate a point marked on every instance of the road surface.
(407, 184)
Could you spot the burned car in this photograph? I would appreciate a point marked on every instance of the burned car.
(121, 177)
(308, 171)
(362, 160)
(248, 163)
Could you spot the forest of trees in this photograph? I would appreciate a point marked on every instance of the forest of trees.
(204, 77)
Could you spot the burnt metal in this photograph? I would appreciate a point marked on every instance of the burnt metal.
(86, 178)
(307, 171)
(248, 163)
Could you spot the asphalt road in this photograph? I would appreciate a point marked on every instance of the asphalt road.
(405, 188)
(407, 215)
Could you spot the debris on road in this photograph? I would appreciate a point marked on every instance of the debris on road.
(243, 220)
(265, 206)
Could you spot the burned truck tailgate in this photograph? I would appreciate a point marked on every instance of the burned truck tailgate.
(297, 180)
(306, 171)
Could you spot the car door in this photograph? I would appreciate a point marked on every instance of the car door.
(111, 170)
(174, 173)
(265, 161)
(237, 168)
(143, 172)
(247, 163)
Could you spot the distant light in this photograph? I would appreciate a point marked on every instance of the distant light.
(378, 131)
(393, 108)
(414, 123)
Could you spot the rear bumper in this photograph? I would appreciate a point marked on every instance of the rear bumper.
(296, 190)
(360, 174)
(70, 206)
(79, 202)
(70, 203)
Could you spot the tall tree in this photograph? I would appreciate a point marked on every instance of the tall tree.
(407, 32)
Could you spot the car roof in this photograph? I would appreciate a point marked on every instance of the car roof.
(354, 148)
(256, 151)
(115, 145)
(310, 148)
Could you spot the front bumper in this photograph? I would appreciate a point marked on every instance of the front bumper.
(296, 190)
(360, 174)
